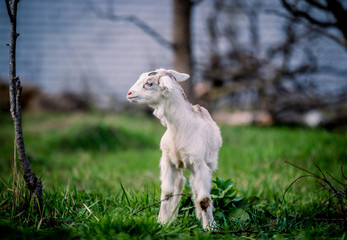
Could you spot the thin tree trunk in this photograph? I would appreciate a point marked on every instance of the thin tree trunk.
(33, 183)
(182, 42)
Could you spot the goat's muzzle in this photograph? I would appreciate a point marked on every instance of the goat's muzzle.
(131, 97)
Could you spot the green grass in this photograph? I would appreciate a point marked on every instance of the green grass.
(84, 159)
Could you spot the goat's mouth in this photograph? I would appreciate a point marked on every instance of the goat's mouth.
(133, 98)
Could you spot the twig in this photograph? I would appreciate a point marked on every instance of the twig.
(338, 193)
(229, 232)
(302, 169)
(326, 180)
(165, 199)
(298, 178)
(335, 190)
(91, 213)
(336, 180)
(67, 191)
(320, 170)
(320, 219)
(234, 231)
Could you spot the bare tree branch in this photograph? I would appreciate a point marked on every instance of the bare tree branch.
(298, 13)
(317, 4)
(195, 2)
(8, 7)
(340, 14)
(317, 29)
(146, 28)
(334, 8)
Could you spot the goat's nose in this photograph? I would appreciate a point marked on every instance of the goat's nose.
(129, 93)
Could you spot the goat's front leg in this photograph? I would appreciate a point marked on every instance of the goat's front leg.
(172, 182)
(201, 186)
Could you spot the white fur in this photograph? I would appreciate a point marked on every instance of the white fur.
(191, 141)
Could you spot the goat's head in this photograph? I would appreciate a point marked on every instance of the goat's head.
(151, 87)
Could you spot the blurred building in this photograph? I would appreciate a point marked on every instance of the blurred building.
(64, 46)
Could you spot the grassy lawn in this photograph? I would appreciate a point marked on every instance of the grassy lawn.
(99, 168)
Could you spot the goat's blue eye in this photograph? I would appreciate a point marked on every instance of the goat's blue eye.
(149, 84)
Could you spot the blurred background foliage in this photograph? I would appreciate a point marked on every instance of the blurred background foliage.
(263, 62)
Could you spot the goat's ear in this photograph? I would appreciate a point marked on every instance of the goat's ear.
(165, 82)
(180, 77)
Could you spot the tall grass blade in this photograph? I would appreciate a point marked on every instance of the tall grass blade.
(125, 194)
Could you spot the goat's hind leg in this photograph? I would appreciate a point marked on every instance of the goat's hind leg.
(195, 195)
(201, 187)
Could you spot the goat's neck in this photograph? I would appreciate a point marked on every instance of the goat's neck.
(175, 111)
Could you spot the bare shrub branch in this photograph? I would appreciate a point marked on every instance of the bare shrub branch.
(338, 193)
(165, 199)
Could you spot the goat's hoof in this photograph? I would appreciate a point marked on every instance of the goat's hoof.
(211, 226)
(162, 220)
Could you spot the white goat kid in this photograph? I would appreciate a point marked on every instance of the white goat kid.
(192, 141)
